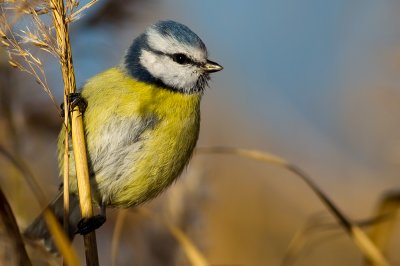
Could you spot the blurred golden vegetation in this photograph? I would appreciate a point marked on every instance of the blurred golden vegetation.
(171, 230)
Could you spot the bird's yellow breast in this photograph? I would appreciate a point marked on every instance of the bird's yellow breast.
(145, 162)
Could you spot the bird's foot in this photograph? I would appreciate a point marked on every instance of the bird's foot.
(87, 225)
(75, 99)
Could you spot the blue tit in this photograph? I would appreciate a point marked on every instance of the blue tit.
(141, 123)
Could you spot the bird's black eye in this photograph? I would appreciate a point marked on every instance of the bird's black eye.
(180, 59)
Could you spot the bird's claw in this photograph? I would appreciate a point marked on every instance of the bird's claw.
(87, 225)
(75, 99)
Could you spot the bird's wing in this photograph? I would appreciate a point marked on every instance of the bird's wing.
(115, 145)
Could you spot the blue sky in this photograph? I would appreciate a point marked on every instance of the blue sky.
(295, 70)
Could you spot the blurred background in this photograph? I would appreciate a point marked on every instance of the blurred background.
(316, 82)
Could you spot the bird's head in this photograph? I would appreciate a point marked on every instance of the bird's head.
(169, 54)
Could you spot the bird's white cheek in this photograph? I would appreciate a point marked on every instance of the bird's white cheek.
(148, 60)
(156, 65)
(172, 74)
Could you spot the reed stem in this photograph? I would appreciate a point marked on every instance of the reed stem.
(78, 139)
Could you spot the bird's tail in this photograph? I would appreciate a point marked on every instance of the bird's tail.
(38, 230)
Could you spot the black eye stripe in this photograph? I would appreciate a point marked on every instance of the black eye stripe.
(181, 59)
(187, 59)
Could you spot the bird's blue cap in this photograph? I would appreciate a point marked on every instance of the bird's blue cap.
(180, 32)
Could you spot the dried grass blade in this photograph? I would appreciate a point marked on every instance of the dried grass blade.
(116, 238)
(60, 238)
(299, 239)
(192, 252)
(194, 255)
(62, 241)
(359, 237)
(76, 14)
(381, 232)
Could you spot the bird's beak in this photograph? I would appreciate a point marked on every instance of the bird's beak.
(211, 67)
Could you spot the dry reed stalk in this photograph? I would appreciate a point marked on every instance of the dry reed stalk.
(66, 174)
(10, 232)
(359, 237)
(42, 37)
(78, 140)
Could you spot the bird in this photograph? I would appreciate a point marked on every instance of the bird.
(141, 123)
